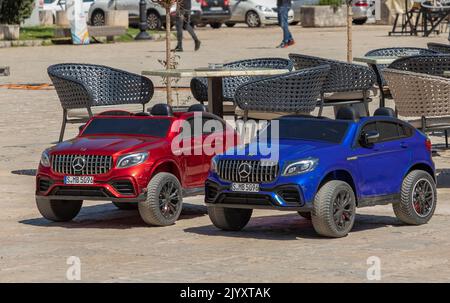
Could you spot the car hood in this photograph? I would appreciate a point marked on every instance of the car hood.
(285, 150)
(106, 145)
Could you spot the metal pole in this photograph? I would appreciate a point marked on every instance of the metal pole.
(349, 31)
(168, 57)
(143, 26)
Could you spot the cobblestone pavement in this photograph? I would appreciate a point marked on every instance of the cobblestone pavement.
(115, 245)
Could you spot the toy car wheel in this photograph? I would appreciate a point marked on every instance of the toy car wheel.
(164, 200)
(232, 219)
(306, 215)
(334, 209)
(126, 205)
(58, 210)
(418, 198)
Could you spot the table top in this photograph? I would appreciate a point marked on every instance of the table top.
(376, 59)
(210, 73)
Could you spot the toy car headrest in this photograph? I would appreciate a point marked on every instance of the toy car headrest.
(347, 113)
(384, 111)
(142, 114)
(115, 112)
(161, 109)
(197, 108)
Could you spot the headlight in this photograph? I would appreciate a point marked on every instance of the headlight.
(300, 167)
(131, 160)
(213, 165)
(45, 159)
(263, 8)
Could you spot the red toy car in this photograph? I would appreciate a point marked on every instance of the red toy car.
(144, 161)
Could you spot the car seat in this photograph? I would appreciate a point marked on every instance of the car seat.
(385, 111)
(197, 108)
(347, 113)
(161, 109)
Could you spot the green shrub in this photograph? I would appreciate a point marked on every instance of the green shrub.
(331, 2)
(15, 11)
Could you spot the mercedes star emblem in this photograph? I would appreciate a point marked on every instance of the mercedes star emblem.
(244, 170)
(78, 163)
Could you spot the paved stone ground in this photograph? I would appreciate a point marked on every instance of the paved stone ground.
(115, 245)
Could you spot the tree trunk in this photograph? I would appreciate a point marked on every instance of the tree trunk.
(349, 33)
(168, 56)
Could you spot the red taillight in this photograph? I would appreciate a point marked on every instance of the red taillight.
(226, 2)
(361, 3)
(203, 3)
(428, 144)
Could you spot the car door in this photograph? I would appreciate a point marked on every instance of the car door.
(237, 10)
(378, 165)
(214, 140)
(193, 156)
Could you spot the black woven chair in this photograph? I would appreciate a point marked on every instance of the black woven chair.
(294, 92)
(345, 84)
(439, 47)
(86, 85)
(395, 52)
(430, 65)
(199, 86)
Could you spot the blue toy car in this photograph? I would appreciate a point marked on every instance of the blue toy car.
(326, 169)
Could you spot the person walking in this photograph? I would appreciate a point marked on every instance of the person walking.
(283, 7)
(183, 20)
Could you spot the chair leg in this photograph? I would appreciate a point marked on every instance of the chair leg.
(321, 105)
(366, 103)
(446, 139)
(245, 115)
(63, 126)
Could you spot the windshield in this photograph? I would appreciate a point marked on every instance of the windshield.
(307, 129)
(128, 126)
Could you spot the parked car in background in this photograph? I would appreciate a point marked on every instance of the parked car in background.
(363, 10)
(215, 12)
(60, 5)
(156, 14)
(255, 13)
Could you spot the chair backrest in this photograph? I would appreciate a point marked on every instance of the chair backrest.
(347, 113)
(85, 85)
(230, 84)
(385, 111)
(417, 95)
(439, 47)
(161, 109)
(396, 52)
(295, 92)
(343, 76)
(197, 108)
(431, 65)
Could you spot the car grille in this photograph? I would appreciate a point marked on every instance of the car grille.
(93, 164)
(259, 171)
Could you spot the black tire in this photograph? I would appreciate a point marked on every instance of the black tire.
(360, 21)
(98, 18)
(306, 215)
(126, 205)
(417, 186)
(154, 21)
(334, 209)
(294, 23)
(156, 209)
(230, 24)
(252, 19)
(58, 210)
(216, 25)
(231, 219)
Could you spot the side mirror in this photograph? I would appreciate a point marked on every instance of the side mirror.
(81, 128)
(369, 138)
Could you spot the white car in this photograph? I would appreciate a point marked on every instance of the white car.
(156, 14)
(60, 5)
(255, 13)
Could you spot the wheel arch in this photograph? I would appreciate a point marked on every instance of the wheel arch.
(168, 166)
(153, 10)
(97, 10)
(341, 175)
(421, 166)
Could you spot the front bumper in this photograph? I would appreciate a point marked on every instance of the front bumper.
(213, 16)
(287, 197)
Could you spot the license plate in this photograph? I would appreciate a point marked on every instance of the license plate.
(216, 8)
(78, 180)
(245, 187)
